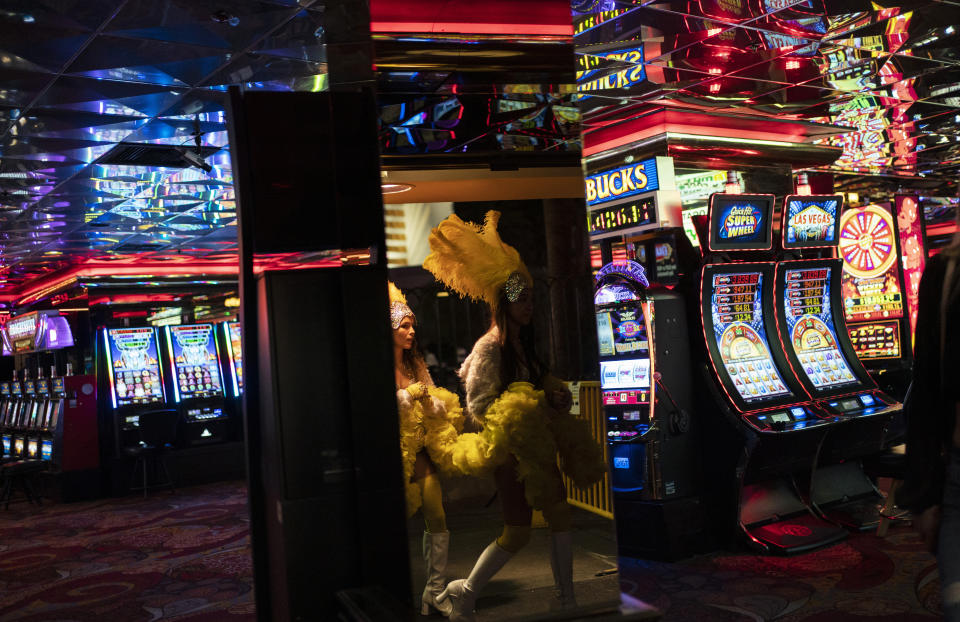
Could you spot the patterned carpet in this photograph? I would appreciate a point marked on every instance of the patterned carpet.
(864, 578)
(186, 557)
(172, 557)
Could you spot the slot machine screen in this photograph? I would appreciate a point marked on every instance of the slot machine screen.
(18, 446)
(32, 448)
(42, 387)
(876, 340)
(872, 289)
(741, 222)
(134, 359)
(737, 315)
(811, 221)
(4, 389)
(29, 388)
(811, 329)
(236, 355)
(46, 449)
(57, 384)
(622, 330)
(7, 445)
(196, 361)
(15, 389)
(625, 374)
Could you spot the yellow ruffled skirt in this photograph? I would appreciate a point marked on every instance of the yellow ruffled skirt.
(431, 423)
(521, 423)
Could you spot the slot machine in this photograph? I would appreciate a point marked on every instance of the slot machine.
(768, 432)
(11, 421)
(38, 429)
(874, 296)
(194, 365)
(816, 338)
(646, 391)
(234, 356)
(134, 377)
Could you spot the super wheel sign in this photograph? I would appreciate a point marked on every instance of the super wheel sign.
(871, 286)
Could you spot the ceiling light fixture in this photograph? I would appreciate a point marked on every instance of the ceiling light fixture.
(395, 188)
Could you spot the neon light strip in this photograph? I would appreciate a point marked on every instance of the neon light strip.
(173, 365)
(739, 141)
(216, 345)
(106, 342)
(233, 362)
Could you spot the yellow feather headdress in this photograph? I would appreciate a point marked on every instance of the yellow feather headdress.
(473, 261)
(398, 306)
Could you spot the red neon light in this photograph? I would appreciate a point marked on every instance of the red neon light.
(500, 17)
(122, 314)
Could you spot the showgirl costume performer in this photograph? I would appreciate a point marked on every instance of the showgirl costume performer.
(522, 410)
(430, 419)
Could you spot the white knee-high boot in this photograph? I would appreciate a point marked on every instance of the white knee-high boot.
(435, 549)
(561, 562)
(462, 593)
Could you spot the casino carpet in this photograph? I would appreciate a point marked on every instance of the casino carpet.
(182, 556)
(186, 557)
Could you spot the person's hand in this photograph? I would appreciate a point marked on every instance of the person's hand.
(928, 524)
(560, 399)
(417, 390)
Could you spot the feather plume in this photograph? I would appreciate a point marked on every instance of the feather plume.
(473, 260)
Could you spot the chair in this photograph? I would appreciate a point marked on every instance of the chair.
(158, 431)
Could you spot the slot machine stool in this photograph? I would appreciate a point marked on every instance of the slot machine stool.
(158, 432)
(24, 473)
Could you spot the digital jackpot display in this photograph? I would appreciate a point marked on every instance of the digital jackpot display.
(870, 280)
(740, 222)
(236, 355)
(741, 337)
(605, 220)
(134, 363)
(811, 220)
(876, 340)
(811, 328)
(196, 362)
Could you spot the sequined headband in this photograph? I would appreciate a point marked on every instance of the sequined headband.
(514, 286)
(398, 311)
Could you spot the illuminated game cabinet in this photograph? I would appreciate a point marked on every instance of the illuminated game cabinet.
(234, 356)
(647, 400)
(194, 366)
(135, 378)
(776, 427)
(874, 296)
(810, 315)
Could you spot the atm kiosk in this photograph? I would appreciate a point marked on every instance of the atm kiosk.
(874, 296)
(646, 391)
(194, 365)
(766, 439)
(134, 377)
(810, 319)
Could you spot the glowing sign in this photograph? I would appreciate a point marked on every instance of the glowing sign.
(622, 182)
(740, 222)
(870, 281)
(591, 64)
(22, 331)
(811, 221)
(911, 251)
(627, 268)
(609, 219)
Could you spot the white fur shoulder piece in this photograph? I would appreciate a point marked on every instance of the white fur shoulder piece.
(480, 374)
